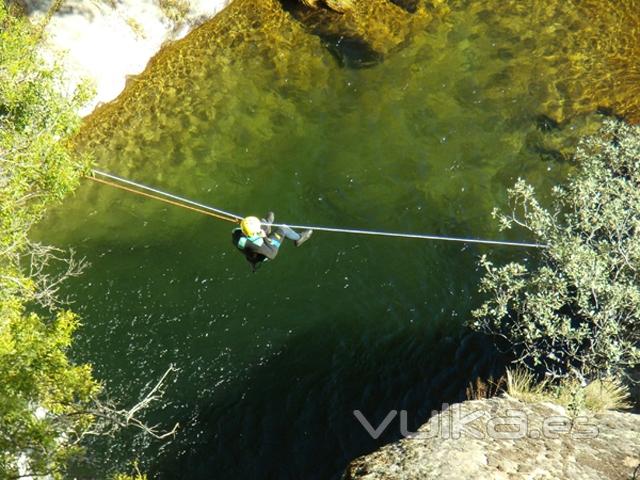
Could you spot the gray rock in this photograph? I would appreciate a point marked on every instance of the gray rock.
(503, 438)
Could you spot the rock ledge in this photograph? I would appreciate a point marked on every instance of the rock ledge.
(503, 438)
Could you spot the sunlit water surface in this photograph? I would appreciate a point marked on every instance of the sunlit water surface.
(273, 364)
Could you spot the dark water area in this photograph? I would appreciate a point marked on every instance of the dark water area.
(251, 113)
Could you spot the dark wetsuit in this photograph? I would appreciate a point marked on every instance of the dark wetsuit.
(258, 249)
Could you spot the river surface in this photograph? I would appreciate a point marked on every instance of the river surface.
(272, 364)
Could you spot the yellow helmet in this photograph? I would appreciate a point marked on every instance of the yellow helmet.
(251, 226)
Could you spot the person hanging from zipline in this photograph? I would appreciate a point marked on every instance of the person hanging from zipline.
(258, 243)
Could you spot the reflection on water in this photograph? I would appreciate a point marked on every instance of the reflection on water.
(252, 112)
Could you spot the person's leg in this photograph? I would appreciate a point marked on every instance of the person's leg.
(304, 236)
(298, 238)
(266, 222)
(289, 233)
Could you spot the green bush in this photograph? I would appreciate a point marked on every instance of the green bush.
(573, 312)
(49, 405)
(42, 393)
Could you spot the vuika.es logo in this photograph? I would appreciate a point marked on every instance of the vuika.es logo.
(453, 423)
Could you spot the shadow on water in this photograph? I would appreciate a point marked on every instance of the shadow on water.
(308, 429)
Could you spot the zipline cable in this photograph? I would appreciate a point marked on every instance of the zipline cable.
(412, 235)
(166, 194)
(232, 217)
(156, 197)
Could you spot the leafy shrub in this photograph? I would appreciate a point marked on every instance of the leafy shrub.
(42, 393)
(575, 313)
(48, 403)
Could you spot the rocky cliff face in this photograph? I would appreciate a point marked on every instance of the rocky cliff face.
(503, 438)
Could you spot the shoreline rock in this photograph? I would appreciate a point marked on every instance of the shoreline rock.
(504, 438)
(107, 41)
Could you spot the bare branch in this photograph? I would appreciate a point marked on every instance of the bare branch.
(111, 418)
(47, 285)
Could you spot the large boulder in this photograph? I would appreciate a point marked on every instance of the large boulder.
(505, 439)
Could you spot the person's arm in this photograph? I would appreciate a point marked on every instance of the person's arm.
(268, 249)
(264, 247)
(267, 246)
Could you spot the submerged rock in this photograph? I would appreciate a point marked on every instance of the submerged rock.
(557, 142)
(589, 49)
(249, 44)
(336, 5)
(351, 52)
(259, 38)
(354, 30)
(503, 438)
(546, 124)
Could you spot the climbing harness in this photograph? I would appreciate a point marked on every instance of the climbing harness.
(232, 217)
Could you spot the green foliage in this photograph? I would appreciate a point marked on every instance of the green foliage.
(136, 475)
(43, 395)
(575, 313)
(35, 121)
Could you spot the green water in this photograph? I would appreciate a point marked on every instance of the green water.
(272, 364)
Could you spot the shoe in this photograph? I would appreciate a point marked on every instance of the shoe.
(270, 217)
(267, 222)
(304, 236)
